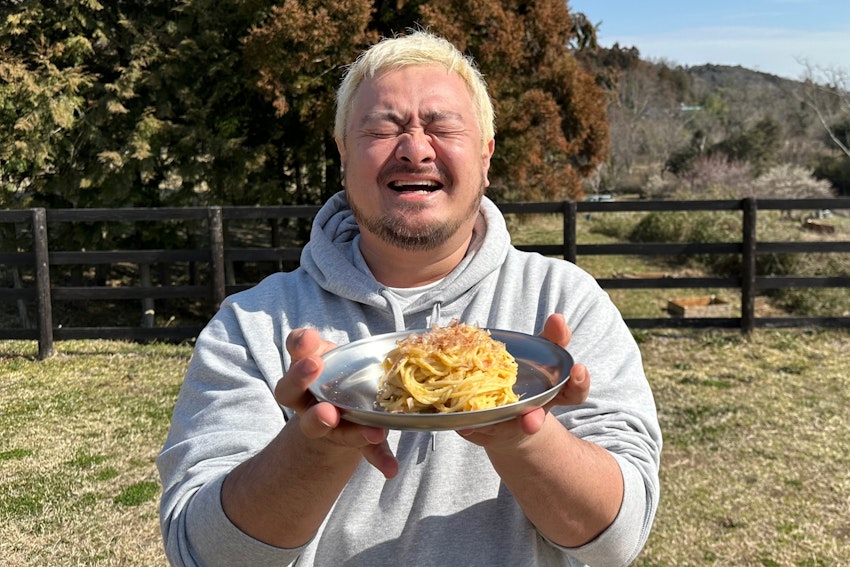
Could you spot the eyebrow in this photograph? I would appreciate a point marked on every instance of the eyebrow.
(387, 115)
(395, 118)
(435, 115)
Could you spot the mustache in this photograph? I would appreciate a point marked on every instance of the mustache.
(395, 170)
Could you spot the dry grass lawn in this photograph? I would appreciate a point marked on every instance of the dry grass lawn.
(81, 430)
(756, 465)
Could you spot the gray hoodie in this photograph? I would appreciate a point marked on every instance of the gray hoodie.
(447, 506)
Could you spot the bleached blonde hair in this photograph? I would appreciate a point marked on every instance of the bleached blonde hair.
(419, 47)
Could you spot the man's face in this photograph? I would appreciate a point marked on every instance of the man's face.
(415, 166)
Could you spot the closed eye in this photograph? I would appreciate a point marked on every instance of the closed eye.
(382, 125)
(383, 134)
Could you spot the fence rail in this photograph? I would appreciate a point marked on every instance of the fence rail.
(217, 255)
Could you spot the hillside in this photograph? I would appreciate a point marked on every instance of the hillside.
(714, 77)
(666, 119)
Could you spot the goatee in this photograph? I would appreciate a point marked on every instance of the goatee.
(396, 229)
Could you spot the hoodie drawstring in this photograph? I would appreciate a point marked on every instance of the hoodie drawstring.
(395, 308)
(435, 314)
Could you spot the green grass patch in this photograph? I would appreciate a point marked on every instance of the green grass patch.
(84, 460)
(138, 493)
(699, 226)
(106, 473)
(14, 454)
(30, 495)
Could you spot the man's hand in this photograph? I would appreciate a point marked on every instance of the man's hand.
(576, 389)
(578, 487)
(259, 494)
(321, 420)
(574, 392)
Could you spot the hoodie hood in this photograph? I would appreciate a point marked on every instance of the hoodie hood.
(332, 258)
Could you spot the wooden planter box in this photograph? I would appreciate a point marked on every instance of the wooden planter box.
(705, 306)
(819, 227)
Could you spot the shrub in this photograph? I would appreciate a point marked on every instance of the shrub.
(705, 227)
(661, 227)
(835, 170)
(693, 226)
(817, 301)
(789, 182)
(814, 302)
(713, 176)
(615, 225)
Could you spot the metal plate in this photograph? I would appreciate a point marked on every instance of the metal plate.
(352, 372)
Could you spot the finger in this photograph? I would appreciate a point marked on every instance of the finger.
(304, 342)
(498, 432)
(577, 388)
(291, 390)
(380, 457)
(305, 347)
(319, 420)
(373, 435)
(325, 420)
(556, 330)
(532, 422)
(301, 342)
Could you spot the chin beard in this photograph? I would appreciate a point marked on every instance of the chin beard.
(396, 230)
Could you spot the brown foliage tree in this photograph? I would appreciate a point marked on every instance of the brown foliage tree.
(297, 54)
(551, 123)
(550, 115)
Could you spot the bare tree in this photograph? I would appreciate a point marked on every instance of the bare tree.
(826, 90)
(642, 109)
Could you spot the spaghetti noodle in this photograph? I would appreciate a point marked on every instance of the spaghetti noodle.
(450, 369)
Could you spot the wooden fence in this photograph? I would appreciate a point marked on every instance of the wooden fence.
(216, 254)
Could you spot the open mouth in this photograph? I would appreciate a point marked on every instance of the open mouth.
(407, 186)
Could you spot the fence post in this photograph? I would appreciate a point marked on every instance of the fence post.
(216, 227)
(42, 283)
(570, 244)
(748, 268)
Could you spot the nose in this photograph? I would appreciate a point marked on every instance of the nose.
(414, 147)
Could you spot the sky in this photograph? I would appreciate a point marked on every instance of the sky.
(780, 37)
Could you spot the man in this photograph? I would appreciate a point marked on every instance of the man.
(256, 472)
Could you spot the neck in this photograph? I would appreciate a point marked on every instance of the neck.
(397, 267)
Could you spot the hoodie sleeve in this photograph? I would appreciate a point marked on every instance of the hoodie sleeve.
(619, 415)
(224, 413)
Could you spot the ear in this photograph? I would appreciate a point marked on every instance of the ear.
(485, 159)
(340, 146)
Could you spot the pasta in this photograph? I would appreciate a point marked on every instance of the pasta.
(450, 369)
